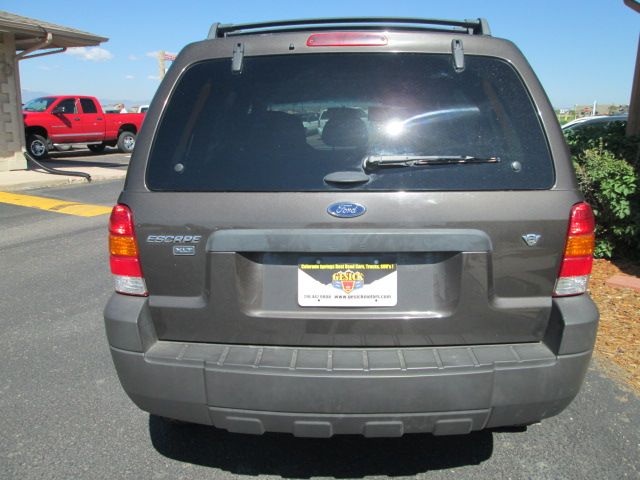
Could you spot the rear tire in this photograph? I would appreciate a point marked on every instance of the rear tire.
(37, 146)
(96, 148)
(126, 142)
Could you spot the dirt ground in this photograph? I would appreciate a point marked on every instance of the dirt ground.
(619, 331)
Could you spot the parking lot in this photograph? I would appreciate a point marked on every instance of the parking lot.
(66, 416)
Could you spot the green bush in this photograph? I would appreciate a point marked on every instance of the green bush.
(607, 167)
(610, 137)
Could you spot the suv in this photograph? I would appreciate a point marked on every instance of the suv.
(419, 265)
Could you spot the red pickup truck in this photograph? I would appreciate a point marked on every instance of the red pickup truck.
(61, 119)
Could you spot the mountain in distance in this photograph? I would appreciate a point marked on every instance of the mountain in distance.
(28, 95)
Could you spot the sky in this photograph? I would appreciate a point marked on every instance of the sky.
(582, 50)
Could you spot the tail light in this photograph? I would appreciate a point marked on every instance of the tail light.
(347, 39)
(577, 260)
(124, 257)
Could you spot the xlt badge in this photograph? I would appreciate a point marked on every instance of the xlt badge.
(184, 250)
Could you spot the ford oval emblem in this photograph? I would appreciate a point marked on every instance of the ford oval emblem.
(346, 209)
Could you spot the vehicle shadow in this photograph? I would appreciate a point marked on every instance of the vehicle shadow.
(627, 266)
(57, 163)
(85, 158)
(83, 152)
(338, 457)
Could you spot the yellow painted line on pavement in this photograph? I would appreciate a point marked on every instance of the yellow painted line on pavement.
(54, 205)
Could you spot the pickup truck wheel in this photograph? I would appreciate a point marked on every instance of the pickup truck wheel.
(96, 148)
(126, 142)
(37, 146)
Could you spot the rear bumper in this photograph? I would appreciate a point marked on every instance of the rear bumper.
(319, 392)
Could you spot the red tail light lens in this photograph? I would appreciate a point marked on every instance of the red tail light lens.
(577, 260)
(347, 39)
(582, 220)
(121, 221)
(124, 258)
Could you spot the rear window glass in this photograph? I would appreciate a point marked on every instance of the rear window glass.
(287, 122)
(88, 106)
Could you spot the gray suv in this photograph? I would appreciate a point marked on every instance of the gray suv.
(418, 264)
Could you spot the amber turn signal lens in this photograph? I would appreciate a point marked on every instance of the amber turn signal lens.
(123, 246)
(580, 245)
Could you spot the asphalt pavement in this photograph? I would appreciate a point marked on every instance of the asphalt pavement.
(65, 416)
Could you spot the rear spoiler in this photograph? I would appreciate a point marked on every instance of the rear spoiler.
(478, 26)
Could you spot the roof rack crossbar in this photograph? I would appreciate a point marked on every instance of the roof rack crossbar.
(478, 26)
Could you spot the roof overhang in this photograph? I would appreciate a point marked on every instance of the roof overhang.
(30, 32)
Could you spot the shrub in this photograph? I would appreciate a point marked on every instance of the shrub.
(610, 184)
(610, 137)
(607, 168)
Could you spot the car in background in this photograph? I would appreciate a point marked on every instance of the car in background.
(67, 119)
(600, 121)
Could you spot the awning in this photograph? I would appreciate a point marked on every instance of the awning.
(29, 32)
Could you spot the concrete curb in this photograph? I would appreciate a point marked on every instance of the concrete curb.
(30, 179)
(624, 281)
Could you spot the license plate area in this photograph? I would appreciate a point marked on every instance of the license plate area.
(354, 281)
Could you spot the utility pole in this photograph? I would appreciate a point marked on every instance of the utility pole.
(161, 65)
(633, 123)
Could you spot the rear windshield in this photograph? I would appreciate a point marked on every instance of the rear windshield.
(286, 123)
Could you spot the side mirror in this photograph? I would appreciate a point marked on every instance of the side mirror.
(58, 110)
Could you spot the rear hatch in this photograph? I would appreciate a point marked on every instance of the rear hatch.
(418, 211)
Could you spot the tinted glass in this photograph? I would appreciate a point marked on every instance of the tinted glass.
(287, 122)
(88, 106)
(67, 106)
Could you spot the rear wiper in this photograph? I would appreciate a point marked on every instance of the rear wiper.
(419, 160)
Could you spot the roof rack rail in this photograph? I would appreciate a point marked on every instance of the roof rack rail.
(478, 26)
